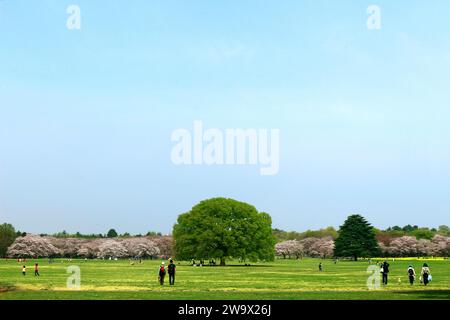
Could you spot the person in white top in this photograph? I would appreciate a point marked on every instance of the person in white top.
(426, 273)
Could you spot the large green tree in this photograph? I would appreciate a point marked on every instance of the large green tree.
(220, 228)
(7, 236)
(112, 233)
(356, 239)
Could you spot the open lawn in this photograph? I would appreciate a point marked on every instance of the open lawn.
(282, 279)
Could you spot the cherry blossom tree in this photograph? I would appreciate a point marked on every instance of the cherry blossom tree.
(282, 249)
(90, 248)
(68, 246)
(112, 249)
(383, 248)
(403, 246)
(318, 247)
(164, 244)
(289, 248)
(141, 247)
(84, 252)
(322, 247)
(426, 248)
(442, 245)
(312, 247)
(32, 246)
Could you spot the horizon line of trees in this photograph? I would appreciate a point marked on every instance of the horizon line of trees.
(112, 233)
(280, 235)
(35, 246)
(382, 235)
(410, 240)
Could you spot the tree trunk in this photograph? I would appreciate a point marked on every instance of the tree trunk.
(356, 258)
(222, 261)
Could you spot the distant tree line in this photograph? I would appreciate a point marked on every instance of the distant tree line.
(281, 235)
(112, 233)
(381, 235)
(225, 228)
(412, 231)
(36, 246)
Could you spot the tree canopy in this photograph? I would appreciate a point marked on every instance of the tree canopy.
(356, 239)
(221, 228)
(7, 236)
(32, 246)
(112, 233)
(282, 235)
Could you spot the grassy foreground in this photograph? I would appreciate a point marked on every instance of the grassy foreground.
(282, 279)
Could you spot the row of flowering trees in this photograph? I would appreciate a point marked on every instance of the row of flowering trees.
(141, 247)
(412, 247)
(311, 247)
(34, 246)
(405, 246)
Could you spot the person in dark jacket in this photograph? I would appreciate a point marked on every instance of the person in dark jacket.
(411, 275)
(385, 271)
(171, 270)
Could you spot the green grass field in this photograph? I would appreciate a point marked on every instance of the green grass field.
(282, 279)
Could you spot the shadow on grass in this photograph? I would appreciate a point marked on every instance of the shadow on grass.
(427, 294)
(5, 287)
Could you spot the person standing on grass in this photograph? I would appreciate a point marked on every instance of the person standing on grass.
(320, 267)
(411, 274)
(171, 270)
(36, 270)
(162, 273)
(426, 273)
(24, 270)
(385, 271)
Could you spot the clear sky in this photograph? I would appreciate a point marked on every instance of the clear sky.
(86, 115)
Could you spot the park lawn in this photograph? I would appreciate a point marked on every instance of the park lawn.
(281, 279)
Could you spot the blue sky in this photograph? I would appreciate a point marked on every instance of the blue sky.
(86, 115)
